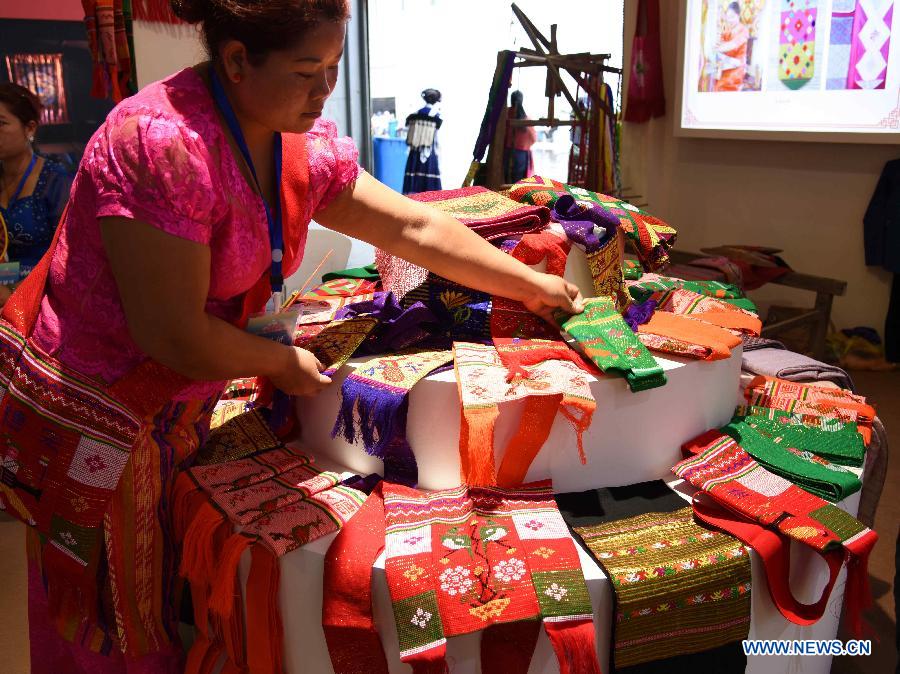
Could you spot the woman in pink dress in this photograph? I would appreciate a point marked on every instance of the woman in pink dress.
(168, 243)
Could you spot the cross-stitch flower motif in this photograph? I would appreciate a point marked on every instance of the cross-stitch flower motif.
(509, 570)
(689, 564)
(707, 534)
(79, 504)
(556, 591)
(456, 580)
(659, 545)
(68, 538)
(534, 525)
(632, 577)
(633, 352)
(414, 573)
(95, 463)
(698, 598)
(605, 555)
(412, 540)
(544, 552)
(421, 618)
(616, 332)
(663, 607)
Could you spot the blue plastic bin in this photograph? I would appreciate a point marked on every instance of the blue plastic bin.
(390, 161)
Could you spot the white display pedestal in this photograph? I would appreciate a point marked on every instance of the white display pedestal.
(306, 652)
(633, 437)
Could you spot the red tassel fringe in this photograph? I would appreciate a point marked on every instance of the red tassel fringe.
(574, 645)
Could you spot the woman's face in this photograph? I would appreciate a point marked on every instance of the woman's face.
(731, 17)
(13, 134)
(288, 90)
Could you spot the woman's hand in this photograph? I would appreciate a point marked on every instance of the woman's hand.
(552, 293)
(301, 374)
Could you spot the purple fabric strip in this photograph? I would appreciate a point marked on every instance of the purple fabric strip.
(581, 223)
(397, 328)
(638, 314)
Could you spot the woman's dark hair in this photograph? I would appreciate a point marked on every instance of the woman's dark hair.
(22, 102)
(734, 7)
(262, 26)
(515, 101)
(431, 96)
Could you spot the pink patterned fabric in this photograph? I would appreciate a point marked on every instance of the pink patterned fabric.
(162, 157)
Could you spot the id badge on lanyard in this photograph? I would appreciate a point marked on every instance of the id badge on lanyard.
(273, 211)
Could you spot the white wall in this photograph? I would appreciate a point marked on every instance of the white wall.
(163, 49)
(807, 198)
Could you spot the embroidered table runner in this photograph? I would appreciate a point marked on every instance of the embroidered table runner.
(679, 588)
(550, 386)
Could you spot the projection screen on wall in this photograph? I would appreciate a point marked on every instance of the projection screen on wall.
(791, 69)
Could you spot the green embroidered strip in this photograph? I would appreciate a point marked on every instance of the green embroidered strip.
(605, 338)
(808, 471)
(832, 439)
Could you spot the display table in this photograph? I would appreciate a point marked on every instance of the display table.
(306, 652)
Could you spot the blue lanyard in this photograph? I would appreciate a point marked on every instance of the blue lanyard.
(15, 196)
(276, 235)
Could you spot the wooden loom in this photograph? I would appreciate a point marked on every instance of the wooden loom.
(587, 70)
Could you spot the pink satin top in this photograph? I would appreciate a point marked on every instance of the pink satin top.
(162, 157)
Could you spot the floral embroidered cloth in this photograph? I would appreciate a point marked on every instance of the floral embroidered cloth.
(466, 559)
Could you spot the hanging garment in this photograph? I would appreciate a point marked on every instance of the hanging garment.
(374, 400)
(551, 386)
(681, 590)
(497, 97)
(645, 97)
(832, 439)
(279, 502)
(757, 498)
(840, 43)
(155, 10)
(650, 236)
(603, 336)
(108, 43)
(423, 173)
(460, 561)
(803, 468)
(881, 230)
(797, 42)
(806, 399)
